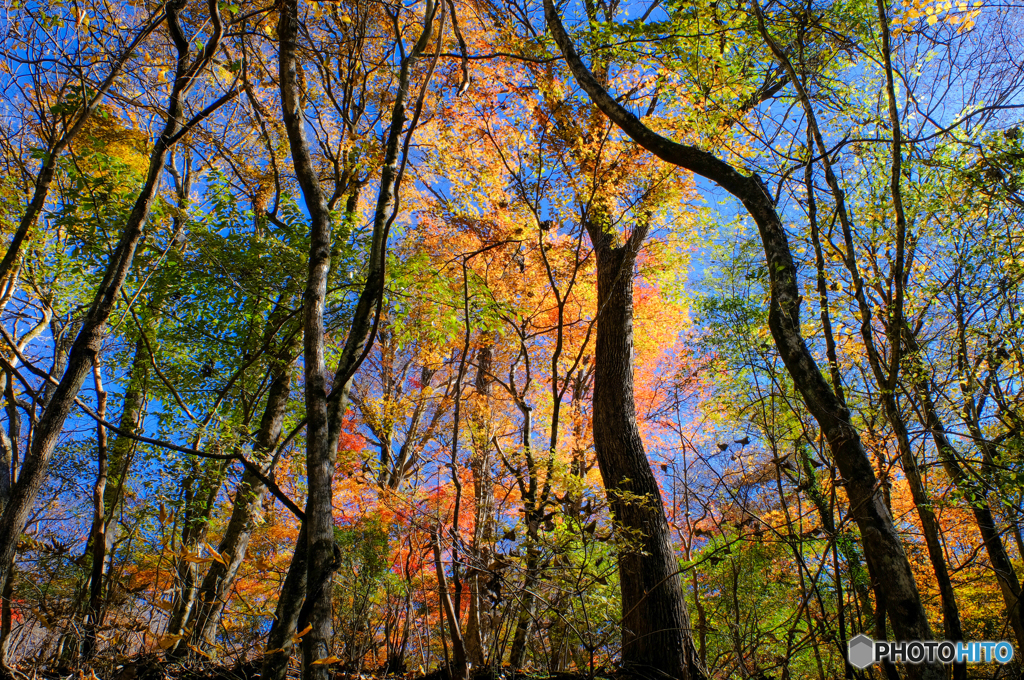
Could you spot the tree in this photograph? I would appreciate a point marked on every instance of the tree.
(887, 561)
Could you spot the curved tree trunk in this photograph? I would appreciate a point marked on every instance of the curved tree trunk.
(656, 628)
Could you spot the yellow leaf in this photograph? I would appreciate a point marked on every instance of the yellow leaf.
(167, 641)
(216, 556)
(298, 636)
(324, 662)
(42, 619)
(932, 19)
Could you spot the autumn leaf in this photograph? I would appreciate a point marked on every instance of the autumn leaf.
(324, 662)
(168, 640)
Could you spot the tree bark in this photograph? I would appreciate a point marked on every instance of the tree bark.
(656, 628)
(320, 455)
(200, 489)
(99, 538)
(483, 506)
(324, 414)
(119, 454)
(1006, 577)
(460, 664)
(286, 616)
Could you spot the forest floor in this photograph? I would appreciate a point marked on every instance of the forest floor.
(155, 668)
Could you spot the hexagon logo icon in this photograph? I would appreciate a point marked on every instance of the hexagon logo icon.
(861, 651)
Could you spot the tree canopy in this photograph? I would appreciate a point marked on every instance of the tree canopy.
(464, 337)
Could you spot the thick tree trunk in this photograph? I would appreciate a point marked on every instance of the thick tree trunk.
(324, 414)
(887, 562)
(655, 623)
(320, 454)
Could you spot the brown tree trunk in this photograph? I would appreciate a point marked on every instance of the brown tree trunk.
(527, 601)
(483, 507)
(656, 627)
(1006, 576)
(200, 490)
(320, 455)
(324, 413)
(929, 523)
(99, 534)
(286, 617)
(459, 667)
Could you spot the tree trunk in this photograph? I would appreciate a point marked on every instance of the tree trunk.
(320, 455)
(929, 523)
(656, 627)
(99, 538)
(524, 623)
(1006, 577)
(216, 586)
(324, 414)
(483, 507)
(286, 617)
(104, 532)
(460, 665)
(200, 488)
